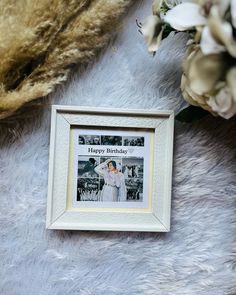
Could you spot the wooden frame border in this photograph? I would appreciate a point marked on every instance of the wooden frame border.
(63, 117)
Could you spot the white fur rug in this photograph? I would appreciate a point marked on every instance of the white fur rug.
(197, 257)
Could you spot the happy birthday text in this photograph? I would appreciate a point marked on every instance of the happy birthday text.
(107, 150)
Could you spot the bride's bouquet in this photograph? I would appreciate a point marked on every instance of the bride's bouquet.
(209, 67)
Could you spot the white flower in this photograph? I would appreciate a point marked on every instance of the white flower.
(209, 68)
(209, 81)
(217, 34)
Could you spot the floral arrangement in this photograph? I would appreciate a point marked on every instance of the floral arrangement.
(209, 67)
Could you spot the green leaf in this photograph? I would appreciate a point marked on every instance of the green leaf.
(167, 29)
(164, 8)
(191, 114)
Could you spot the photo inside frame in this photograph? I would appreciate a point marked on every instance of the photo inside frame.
(112, 168)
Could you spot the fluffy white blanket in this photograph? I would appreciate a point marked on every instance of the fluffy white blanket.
(197, 257)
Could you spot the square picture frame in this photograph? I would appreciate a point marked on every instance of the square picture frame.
(110, 169)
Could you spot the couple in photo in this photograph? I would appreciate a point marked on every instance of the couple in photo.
(114, 188)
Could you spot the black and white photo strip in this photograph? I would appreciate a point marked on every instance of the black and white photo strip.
(111, 140)
(110, 179)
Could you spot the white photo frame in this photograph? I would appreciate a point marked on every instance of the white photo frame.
(67, 213)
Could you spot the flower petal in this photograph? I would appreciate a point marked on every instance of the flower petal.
(223, 6)
(185, 16)
(156, 42)
(156, 7)
(191, 97)
(152, 31)
(208, 44)
(223, 104)
(233, 12)
(230, 79)
(204, 72)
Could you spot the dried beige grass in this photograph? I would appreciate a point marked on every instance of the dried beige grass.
(42, 40)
